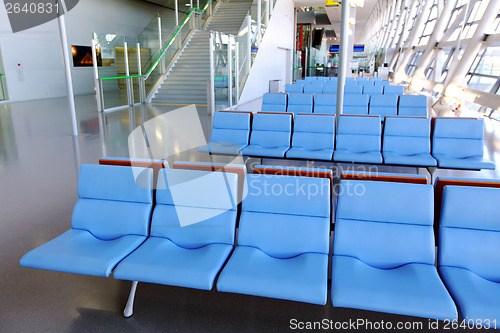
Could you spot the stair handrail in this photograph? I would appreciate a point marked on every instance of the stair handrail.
(158, 59)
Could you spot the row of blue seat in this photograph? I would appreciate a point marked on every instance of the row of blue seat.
(378, 105)
(348, 80)
(456, 143)
(348, 89)
(383, 246)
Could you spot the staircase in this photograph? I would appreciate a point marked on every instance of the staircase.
(186, 82)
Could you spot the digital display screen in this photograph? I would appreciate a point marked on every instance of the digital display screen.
(356, 48)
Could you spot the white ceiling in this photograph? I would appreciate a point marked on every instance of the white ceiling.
(334, 14)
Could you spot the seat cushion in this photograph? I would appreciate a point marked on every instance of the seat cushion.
(477, 298)
(412, 289)
(321, 154)
(78, 251)
(256, 150)
(159, 260)
(226, 148)
(417, 159)
(473, 162)
(342, 155)
(252, 272)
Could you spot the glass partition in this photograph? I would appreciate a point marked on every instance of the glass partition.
(3, 83)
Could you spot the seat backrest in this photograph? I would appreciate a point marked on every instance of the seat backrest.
(469, 233)
(372, 90)
(359, 134)
(310, 78)
(314, 132)
(330, 89)
(364, 83)
(407, 136)
(381, 83)
(274, 102)
(322, 79)
(352, 88)
(300, 103)
(458, 138)
(195, 208)
(383, 105)
(114, 201)
(271, 130)
(378, 223)
(313, 89)
(355, 104)
(302, 82)
(231, 127)
(384, 177)
(361, 79)
(350, 79)
(412, 106)
(394, 90)
(325, 103)
(375, 78)
(285, 216)
(294, 88)
(332, 81)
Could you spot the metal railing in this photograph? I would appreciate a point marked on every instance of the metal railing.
(148, 77)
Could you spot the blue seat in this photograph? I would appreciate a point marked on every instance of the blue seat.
(302, 82)
(330, 89)
(381, 83)
(412, 106)
(383, 105)
(407, 141)
(375, 78)
(313, 137)
(110, 220)
(383, 251)
(364, 83)
(283, 240)
(350, 80)
(372, 90)
(230, 133)
(271, 134)
(394, 90)
(192, 230)
(325, 103)
(358, 139)
(294, 88)
(313, 89)
(309, 79)
(362, 79)
(300, 103)
(322, 79)
(274, 102)
(332, 81)
(355, 104)
(469, 242)
(458, 143)
(319, 172)
(352, 88)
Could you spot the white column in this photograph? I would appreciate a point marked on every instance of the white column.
(473, 46)
(343, 66)
(96, 77)
(229, 71)
(211, 108)
(259, 20)
(67, 73)
(237, 70)
(176, 13)
(435, 38)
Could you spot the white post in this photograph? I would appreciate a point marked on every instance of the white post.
(139, 72)
(212, 75)
(176, 13)
(67, 72)
(249, 44)
(127, 74)
(96, 76)
(259, 20)
(237, 70)
(162, 63)
(268, 5)
(229, 71)
(343, 66)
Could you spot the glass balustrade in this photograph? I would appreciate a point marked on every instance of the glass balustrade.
(149, 55)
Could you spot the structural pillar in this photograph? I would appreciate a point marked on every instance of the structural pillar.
(343, 66)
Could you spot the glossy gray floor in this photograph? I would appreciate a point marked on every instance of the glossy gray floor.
(39, 161)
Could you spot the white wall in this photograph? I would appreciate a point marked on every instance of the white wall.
(39, 49)
(270, 62)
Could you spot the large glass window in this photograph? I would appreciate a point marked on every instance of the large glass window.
(485, 70)
(430, 24)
